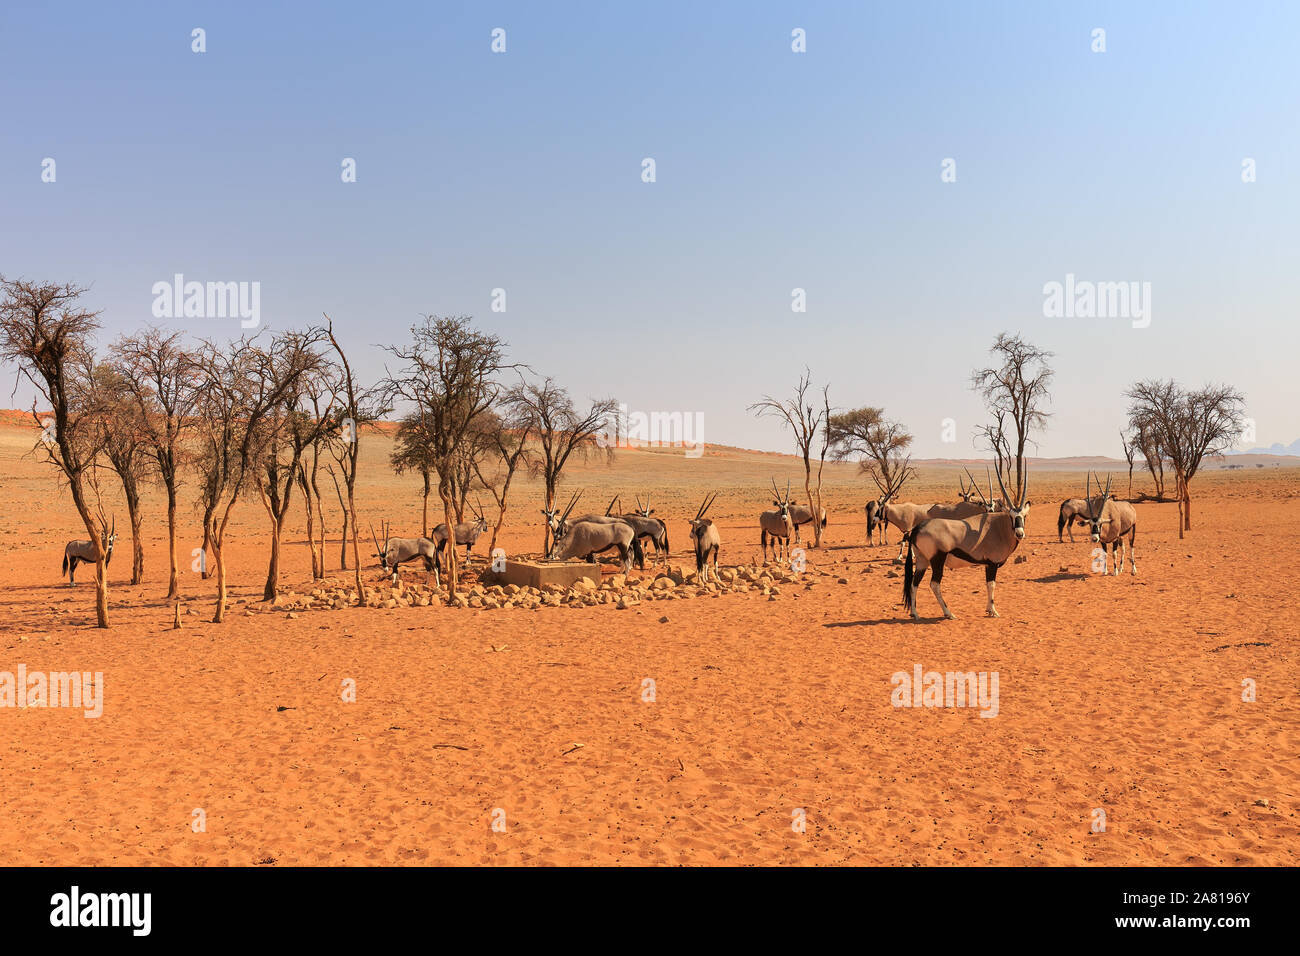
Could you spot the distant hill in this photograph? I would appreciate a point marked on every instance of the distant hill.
(1277, 448)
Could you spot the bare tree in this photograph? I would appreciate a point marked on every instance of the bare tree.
(361, 407)
(160, 376)
(320, 393)
(1015, 391)
(807, 422)
(449, 374)
(290, 432)
(548, 411)
(124, 442)
(243, 383)
(509, 435)
(1186, 426)
(880, 444)
(42, 331)
(1130, 450)
(1154, 458)
(411, 453)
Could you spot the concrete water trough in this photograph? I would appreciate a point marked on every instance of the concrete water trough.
(538, 574)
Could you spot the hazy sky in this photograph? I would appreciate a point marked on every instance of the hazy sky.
(775, 170)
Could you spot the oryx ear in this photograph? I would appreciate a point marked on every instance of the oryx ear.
(1025, 507)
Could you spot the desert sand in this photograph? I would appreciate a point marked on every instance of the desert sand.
(1119, 693)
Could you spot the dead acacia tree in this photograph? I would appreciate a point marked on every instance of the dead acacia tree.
(160, 376)
(411, 454)
(879, 443)
(807, 422)
(449, 374)
(320, 394)
(242, 384)
(123, 440)
(1130, 452)
(508, 433)
(43, 331)
(1186, 426)
(359, 407)
(548, 412)
(1015, 391)
(290, 431)
(1145, 442)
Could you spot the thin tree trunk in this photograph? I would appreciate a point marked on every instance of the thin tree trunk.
(137, 546)
(219, 558)
(356, 550)
(101, 590)
(273, 567)
(451, 572)
(427, 489)
(173, 584)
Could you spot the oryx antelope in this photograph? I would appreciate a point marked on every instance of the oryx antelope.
(589, 535)
(988, 539)
(467, 532)
(398, 551)
(907, 516)
(873, 522)
(777, 524)
(77, 552)
(706, 539)
(648, 528)
(1076, 510)
(800, 515)
(559, 524)
(1109, 523)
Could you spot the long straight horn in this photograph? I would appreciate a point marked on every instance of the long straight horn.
(1005, 497)
(378, 550)
(974, 486)
(573, 501)
(786, 499)
(610, 506)
(989, 475)
(708, 503)
(775, 490)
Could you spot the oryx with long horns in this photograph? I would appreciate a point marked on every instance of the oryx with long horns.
(1076, 511)
(648, 528)
(801, 515)
(706, 540)
(396, 551)
(467, 532)
(83, 552)
(586, 539)
(1109, 523)
(906, 516)
(988, 539)
(777, 524)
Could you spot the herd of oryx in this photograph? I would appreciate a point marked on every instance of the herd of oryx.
(977, 529)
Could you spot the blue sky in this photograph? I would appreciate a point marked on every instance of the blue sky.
(775, 170)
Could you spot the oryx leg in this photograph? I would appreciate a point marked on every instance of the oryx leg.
(936, 580)
(72, 572)
(991, 582)
(713, 558)
(1132, 560)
